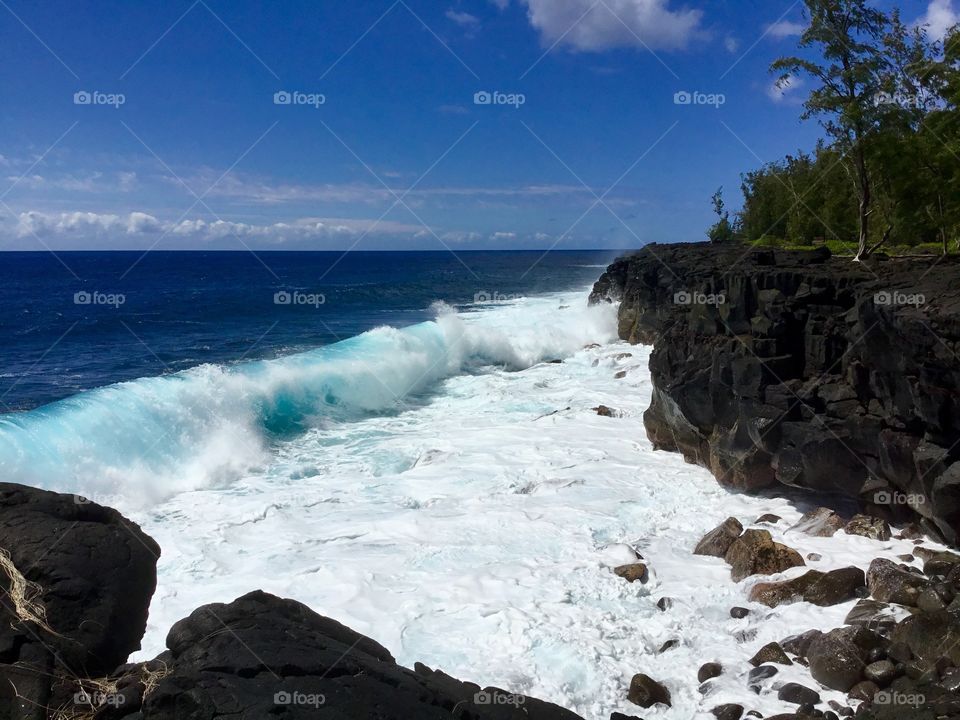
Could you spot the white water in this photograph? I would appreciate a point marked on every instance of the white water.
(474, 528)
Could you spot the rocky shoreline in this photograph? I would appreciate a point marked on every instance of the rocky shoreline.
(76, 582)
(800, 369)
(78, 578)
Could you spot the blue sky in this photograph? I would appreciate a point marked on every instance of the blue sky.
(159, 125)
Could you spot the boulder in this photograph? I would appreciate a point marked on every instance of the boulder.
(773, 594)
(889, 582)
(755, 553)
(770, 653)
(941, 563)
(930, 636)
(881, 672)
(605, 411)
(261, 657)
(708, 671)
(799, 644)
(632, 572)
(716, 542)
(798, 694)
(647, 692)
(730, 711)
(821, 522)
(76, 579)
(837, 658)
(835, 587)
(873, 615)
(869, 527)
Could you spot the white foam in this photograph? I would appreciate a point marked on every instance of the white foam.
(474, 530)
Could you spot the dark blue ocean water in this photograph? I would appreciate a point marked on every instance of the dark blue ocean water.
(83, 320)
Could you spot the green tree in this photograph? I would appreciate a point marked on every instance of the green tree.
(847, 34)
(722, 230)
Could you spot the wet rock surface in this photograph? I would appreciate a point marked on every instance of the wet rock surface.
(806, 374)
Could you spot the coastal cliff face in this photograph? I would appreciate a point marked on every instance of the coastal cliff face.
(802, 369)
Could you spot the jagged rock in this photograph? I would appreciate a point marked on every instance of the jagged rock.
(739, 613)
(773, 594)
(768, 518)
(837, 658)
(869, 527)
(632, 572)
(717, 542)
(889, 582)
(835, 587)
(89, 571)
(261, 656)
(800, 377)
(770, 653)
(821, 522)
(664, 604)
(647, 692)
(755, 553)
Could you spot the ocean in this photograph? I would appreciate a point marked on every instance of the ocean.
(404, 443)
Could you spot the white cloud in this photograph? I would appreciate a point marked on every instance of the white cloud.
(88, 225)
(588, 25)
(782, 90)
(785, 28)
(501, 4)
(463, 19)
(37, 223)
(939, 18)
(94, 182)
(731, 44)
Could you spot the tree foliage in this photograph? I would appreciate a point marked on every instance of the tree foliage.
(888, 169)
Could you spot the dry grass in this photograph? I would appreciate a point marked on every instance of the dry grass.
(24, 594)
